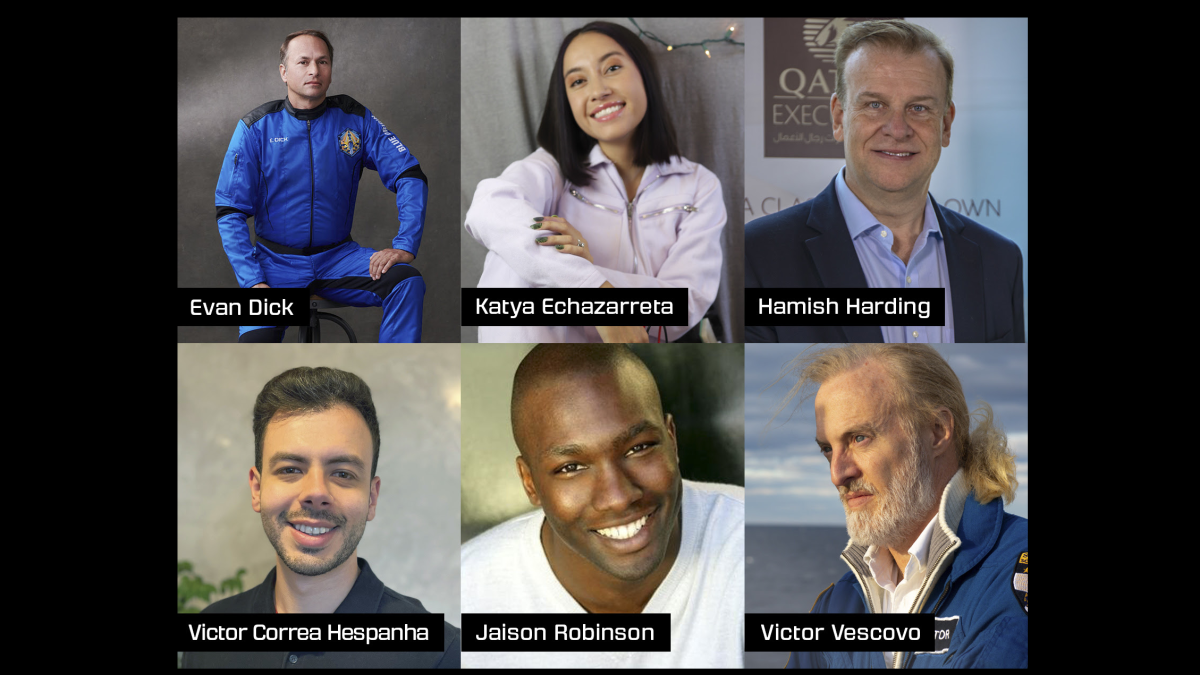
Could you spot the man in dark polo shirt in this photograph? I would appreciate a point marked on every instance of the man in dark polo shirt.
(316, 447)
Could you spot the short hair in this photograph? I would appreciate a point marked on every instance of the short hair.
(546, 361)
(559, 134)
(922, 383)
(283, 49)
(898, 34)
(304, 391)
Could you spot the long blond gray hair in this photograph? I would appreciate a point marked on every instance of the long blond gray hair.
(923, 384)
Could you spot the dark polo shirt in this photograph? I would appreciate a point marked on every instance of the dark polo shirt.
(368, 596)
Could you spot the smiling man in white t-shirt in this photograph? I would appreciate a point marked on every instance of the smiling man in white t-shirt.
(619, 530)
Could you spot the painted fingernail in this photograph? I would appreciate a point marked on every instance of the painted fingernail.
(536, 226)
(538, 219)
(542, 240)
(555, 216)
(558, 246)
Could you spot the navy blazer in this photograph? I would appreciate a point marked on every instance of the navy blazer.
(809, 246)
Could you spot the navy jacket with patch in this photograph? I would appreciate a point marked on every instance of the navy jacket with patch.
(993, 626)
(297, 171)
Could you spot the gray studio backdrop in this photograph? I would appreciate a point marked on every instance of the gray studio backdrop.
(506, 74)
(404, 70)
(701, 386)
(412, 544)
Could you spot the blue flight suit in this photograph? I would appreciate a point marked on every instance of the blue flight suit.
(297, 173)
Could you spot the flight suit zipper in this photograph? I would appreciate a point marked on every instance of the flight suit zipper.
(921, 594)
(312, 184)
(911, 655)
(684, 207)
(638, 263)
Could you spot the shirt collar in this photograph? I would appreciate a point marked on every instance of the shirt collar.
(308, 113)
(883, 566)
(861, 222)
(364, 596)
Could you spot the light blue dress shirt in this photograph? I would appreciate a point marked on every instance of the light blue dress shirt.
(926, 266)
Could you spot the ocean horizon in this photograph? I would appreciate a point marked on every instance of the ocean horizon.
(787, 567)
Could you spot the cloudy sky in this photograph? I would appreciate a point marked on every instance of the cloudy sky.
(787, 480)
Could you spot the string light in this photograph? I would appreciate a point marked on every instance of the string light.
(703, 44)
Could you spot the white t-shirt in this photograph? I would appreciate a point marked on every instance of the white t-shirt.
(505, 570)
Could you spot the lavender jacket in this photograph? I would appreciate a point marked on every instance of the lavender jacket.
(668, 236)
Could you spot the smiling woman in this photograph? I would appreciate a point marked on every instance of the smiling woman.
(607, 200)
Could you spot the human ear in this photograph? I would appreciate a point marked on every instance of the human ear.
(670, 422)
(947, 120)
(373, 497)
(835, 108)
(943, 432)
(255, 490)
(527, 482)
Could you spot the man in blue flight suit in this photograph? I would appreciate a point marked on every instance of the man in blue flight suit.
(928, 532)
(294, 165)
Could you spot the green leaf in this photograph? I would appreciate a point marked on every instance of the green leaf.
(184, 566)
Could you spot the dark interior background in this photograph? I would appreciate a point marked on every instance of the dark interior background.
(405, 71)
(701, 386)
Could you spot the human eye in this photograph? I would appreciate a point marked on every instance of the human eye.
(288, 470)
(569, 468)
(875, 105)
(614, 67)
(920, 108)
(575, 81)
(640, 448)
(345, 475)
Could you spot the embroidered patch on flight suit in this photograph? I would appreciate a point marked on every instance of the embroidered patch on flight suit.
(943, 630)
(1020, 581)
(348, 142)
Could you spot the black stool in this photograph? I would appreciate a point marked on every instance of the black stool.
(312, 332)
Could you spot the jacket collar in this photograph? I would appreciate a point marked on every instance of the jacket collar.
(307, 114)
(831, 248)
(364, 597)
(945, 545)
(597, 158)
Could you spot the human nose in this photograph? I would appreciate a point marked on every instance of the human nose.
(897, 125)
(314, 490)
(599, 88)
(842, 468)
(615, 491)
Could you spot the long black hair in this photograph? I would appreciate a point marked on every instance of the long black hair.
(653, 140)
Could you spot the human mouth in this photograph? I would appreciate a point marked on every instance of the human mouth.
(608, 111)
(857, 498)
(626, 531)
(312, 534)
(895, 155)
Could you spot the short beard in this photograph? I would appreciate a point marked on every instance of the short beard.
(909, 498)
(304, 564)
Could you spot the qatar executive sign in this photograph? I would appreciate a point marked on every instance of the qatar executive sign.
(799, 77)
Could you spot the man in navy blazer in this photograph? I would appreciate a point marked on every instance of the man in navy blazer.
(893, 110)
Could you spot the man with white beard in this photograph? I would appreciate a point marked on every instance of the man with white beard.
(920, 489)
